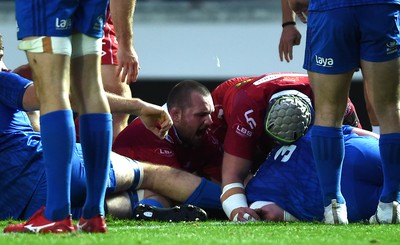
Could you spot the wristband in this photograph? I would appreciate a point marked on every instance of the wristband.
(288, 23)
(235, 200)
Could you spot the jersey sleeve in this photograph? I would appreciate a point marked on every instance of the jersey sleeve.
(12, 89)
(138, 143)
(244, 127)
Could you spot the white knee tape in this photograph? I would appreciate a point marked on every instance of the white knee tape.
(51, 45)
(83, 44)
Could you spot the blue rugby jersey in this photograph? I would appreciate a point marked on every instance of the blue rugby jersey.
(288, 177)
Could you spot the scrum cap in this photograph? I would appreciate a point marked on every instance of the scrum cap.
(289, 116)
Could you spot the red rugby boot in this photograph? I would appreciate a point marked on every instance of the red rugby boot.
(96, 224)
(39, 224)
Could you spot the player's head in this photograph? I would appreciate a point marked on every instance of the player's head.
(350, 115)
(289, 116)
(190, 106)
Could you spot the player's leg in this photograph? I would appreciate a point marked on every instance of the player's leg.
(95, 122)
(330, 73)
(327, 138)
(150, 206)
(94, 112)
(384, 88)
(380, 67)
(122, 204)
(49, 59)
(177, 185)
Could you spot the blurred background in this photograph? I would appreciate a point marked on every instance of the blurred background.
(205, 40)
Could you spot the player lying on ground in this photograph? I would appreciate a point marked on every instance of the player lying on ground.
(22, 174)
(286, 186)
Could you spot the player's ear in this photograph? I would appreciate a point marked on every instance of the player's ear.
(175, 114)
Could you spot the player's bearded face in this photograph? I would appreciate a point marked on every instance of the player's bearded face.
(192, 129)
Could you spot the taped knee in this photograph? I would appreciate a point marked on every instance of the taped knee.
(51, 45)
(83, 45)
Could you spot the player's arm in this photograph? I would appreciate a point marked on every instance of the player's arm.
(155, 118)
(290, 35)
(233, 198)
(122, 12)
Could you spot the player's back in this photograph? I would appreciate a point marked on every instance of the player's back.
(288, 178)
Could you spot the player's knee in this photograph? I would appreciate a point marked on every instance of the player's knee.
(83, 45)
(51, 45)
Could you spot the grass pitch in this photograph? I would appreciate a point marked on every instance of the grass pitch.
(217, 232)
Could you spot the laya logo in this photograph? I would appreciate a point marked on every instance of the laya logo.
(63, 24)
(325, 62)
(164, 152)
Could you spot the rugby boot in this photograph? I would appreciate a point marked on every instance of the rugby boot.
(96, 224)
(336, 213)
(386, 213)
(39, 224)
(175, 214)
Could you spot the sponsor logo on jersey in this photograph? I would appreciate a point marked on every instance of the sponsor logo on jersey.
(164, 152)
(242, 131)
(63, 24)
(242, 82)
(322, 61)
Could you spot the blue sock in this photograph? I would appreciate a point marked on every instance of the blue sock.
(206, 195)
(58, 139)
(96, 138)
(133, 196)
(151, 202)
(389, 145)
(328, 149)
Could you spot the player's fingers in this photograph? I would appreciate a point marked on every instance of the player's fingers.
(289, 55)
(137, 70)
(280, 49)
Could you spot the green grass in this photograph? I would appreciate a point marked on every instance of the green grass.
(217, 232)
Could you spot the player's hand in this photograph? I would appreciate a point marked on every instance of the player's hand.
(128, 64)
(300, 7)
(270, 212)
(156, 119)
(245, 214)
(290, 37)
